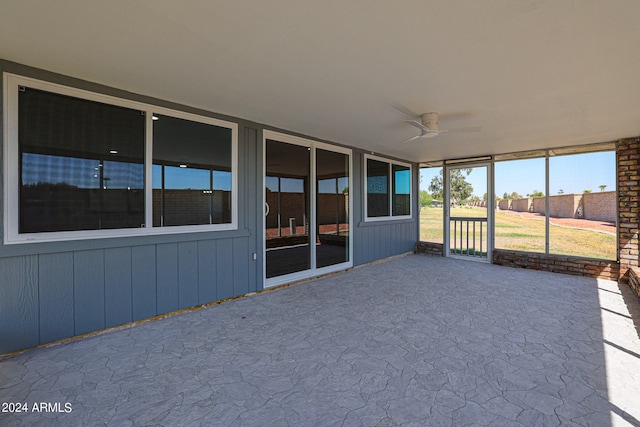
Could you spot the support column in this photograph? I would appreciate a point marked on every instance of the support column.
(628, 161)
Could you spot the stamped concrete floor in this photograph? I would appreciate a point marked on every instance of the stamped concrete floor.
(415, 340)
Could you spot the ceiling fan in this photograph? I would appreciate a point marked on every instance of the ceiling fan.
(428, 126)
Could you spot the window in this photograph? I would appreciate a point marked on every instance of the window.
(431, 204)
(582, 204)
(388, 189)
(191, 172)
(84, 165)
(520, 204)
(81, 164)
(578, 215)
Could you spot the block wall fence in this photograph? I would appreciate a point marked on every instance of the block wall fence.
(595, 206)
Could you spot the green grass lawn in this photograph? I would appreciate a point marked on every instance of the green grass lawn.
(521, 234)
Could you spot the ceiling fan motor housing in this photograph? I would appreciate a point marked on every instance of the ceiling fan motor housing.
(430, 120)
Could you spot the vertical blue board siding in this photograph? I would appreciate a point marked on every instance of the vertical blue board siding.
(143, 282)
(167, 277)
(224, 268)
(187, 274)
(207, 280)
(253, 199)
(373, 242)
(240, 266)
(117, 286)
(88, 281)
(18, 303)
(55, 278)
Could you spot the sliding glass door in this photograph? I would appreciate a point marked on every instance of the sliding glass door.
(287, 208)
(307, 214)
(332, 207)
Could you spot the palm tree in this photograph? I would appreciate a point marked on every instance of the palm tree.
(602, 187)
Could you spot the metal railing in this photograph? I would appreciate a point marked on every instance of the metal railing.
(468, 236)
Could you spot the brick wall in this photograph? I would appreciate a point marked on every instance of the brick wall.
(565, 264)
(192, 207)
(628, 156)
(564, 205)
(430, 248)
(561, 205)
(539, 205)
(521, 205)
(600, 206)
(504, 204)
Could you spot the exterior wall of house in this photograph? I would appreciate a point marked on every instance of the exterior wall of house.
(628, 158)
(55, 290)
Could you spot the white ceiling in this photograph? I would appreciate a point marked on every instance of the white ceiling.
(532, 73)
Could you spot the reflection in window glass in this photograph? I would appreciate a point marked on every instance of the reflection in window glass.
(287, 197)
(377, 188)
(401, 190)
(520, 205)
(431, 206)
(582, 205)
(191, 172)
(81, 164)
(332, 243)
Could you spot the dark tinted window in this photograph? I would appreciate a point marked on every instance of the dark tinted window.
(191, 172)
(81, 164)
(377, 188)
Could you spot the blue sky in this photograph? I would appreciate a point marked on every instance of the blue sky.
(571, 174)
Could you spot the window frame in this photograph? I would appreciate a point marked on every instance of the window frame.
(391, 216)
(11, 182)
(547, 155)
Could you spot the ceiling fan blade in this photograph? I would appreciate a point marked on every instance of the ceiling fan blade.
(410, 139)
(467, 129)
(418, 125)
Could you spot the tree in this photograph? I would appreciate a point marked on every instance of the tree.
(602, 187)
(586, 191)
(561, 191)
(460, 189)
(436, 186)
(512, 196)
(425, 199)
(536, 193)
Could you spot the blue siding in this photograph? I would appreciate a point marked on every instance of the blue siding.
(55, 278)
(143, 282)
(88, 292)
(240, 266)
(167, 277)
(224, 268)
(18, 303)
(117, 286)
(188, 274)
(207, 279)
